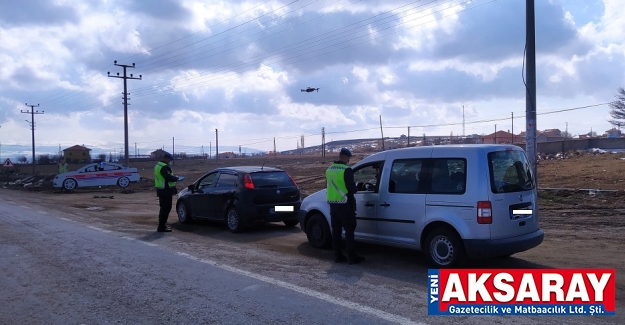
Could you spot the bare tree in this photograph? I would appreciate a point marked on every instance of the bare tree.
(22, 159)
(618, 109)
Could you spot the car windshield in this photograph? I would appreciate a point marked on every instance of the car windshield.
(271, 179)
(509, 172)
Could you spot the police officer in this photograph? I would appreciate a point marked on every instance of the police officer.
(165, 183)
(340, 195)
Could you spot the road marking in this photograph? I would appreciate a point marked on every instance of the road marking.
(147, 243)
(70, 220)
(25, 207)
(309, 292)
(128, 238)
(99, 229)
(42, 212)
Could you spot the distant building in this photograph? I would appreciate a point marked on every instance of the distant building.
(500, 137)
(77, 155)
(547, 135)
(228, 154)
(612, 133)
(157, 154)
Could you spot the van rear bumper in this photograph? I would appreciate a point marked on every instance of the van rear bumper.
(503, 247)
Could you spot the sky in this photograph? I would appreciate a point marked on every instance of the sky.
(239, 67)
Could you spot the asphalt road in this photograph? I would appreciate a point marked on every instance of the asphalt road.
(59, 269)
(59, 272)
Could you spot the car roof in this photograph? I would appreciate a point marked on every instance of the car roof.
(249, 169)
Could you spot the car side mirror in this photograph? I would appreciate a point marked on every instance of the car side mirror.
(190, 187)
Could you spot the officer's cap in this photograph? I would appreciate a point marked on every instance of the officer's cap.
(168, 155)
(346, 152)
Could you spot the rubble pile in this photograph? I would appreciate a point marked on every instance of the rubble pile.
(573, 153)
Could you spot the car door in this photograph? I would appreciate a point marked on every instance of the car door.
(199, 202)
(108, 174)
(223, 191)
(367, 178)
(401, 203)
(86, 176)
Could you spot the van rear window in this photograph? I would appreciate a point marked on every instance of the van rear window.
(271, 179)
(509, 172)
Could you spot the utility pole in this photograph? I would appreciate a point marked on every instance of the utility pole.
(567, 128)
(135, 150)
(126, 98)
(530, 97)
(239, 150)
(495, 141)
(32, 113)
(323, 142)
(210, 150)
(512, 127)
(217, 146)
(408, 142)
(382, 132)
(274, 147)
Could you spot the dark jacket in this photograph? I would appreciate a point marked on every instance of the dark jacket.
(350, 184)
(166, 172)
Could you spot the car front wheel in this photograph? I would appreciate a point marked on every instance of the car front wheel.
(318, 232)
(123, 182)
(69, 184)
(184, 215)
(233, 220)
(444, 249)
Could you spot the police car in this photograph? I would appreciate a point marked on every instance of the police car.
(97, 174)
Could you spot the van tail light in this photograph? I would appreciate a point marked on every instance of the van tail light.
(292, 180)
(247, 182)
(484, 212)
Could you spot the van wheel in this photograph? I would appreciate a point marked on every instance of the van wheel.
(318, 232)
(444, 249)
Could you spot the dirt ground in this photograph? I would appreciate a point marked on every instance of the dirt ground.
(584, 228)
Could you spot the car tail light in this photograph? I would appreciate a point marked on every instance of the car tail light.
(484, 212)
(292, 180)
(247, 181)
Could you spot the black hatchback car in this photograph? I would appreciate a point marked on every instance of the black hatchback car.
(240, 197)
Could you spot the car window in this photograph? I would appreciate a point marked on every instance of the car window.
(449, 176)
(367, 177)
(274, 179)
(207, 181)
(509, 172)
(405, 176)
(106, 167)
(90, 169)
(226, 180)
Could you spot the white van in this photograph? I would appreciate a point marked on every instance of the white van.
(451, 201)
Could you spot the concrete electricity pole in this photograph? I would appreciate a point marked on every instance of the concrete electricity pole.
(32, 113)
(530, 84)
(126, 98)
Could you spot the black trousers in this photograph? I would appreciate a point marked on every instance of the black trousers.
(164, 201)
(343, 217)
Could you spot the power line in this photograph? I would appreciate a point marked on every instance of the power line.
(126, 98)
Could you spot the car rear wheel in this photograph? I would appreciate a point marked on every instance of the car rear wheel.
(291, 223)
(123, 182)
(444, 249)
(318, 232)
(184, 214)
(69, 184)
(233, 220)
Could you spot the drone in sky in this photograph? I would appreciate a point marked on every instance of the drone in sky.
(310, 89)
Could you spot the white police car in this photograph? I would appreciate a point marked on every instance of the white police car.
(97, 174)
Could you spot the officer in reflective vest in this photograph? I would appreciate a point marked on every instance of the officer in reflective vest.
(165, 183)
(340, 195)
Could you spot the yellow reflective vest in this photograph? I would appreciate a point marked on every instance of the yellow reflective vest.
(159, 180)
(336, 188)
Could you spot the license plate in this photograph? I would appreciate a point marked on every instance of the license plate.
(518, 214)
(284, 208)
